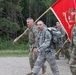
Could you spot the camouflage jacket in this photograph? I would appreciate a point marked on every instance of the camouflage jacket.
(32, 33)
(44, 38)
(74, 37)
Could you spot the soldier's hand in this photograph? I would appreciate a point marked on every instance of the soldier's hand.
(35, 51)
(15, 41)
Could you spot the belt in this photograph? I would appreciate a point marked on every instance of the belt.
(47, 51)
(30, 43)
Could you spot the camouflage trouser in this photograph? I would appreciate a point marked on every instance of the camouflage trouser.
(32, 59)
(42, 57)
(57, 56)
(66, 52)
(72, 62)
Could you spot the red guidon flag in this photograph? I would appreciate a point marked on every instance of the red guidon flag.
(65, 11)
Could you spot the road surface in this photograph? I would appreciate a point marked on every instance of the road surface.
(20, 66)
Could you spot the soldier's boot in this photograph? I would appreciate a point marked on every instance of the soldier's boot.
(73, 69)
(57, 57)
(31, 73)
(43, 69)
(34, 74)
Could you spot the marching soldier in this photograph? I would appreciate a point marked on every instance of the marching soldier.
(72, 61)
(59, 28)
(32, 33)
(65, 49)
(44, 50)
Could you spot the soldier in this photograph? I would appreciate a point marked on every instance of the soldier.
(32, 33)
(65, 49)
(58, 27)
(72, 61)
(44, 50)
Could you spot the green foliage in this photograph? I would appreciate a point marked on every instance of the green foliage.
(6, 44)
(13, 14)
(18, 8)
(1, 9)
(15, 7)
(24, 40)
(13, 53)
(8, 26)
(1, 0)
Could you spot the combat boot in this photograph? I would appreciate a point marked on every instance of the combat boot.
(43, 69)
(34, 74)
(31, 73)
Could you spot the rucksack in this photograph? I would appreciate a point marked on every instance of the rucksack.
(56, 37)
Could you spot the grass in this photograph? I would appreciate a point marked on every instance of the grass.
(7, 48)
(13, 53)
(7, 44)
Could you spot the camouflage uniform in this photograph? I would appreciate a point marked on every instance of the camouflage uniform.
(73, 56)
(62, 32)
(33, 43)
(46, 52)
(65, 49)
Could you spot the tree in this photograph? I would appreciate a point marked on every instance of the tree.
(17, 11)
(11, 16)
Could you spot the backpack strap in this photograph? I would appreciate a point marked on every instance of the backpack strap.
(51, 41)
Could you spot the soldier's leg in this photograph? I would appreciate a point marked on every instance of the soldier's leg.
(62, 52)
(31, 73)
(52, 61)
(57, 56)
(72, 64)
(73, 69)
(43, 67)
(67, 54)
(38, 64)
(31, 60)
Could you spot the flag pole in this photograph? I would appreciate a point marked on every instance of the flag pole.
(42, 15)
(57, 53)
(16, 39)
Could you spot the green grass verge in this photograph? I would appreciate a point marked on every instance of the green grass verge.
(7, 48)
(7, 44)
(13, 53)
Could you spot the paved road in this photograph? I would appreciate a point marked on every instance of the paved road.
(20, 66)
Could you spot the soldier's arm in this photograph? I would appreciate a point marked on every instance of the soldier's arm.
(46, 42)
(35, 31)
(63, 33)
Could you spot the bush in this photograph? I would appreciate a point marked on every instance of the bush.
(7, 44)
(8, 26)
